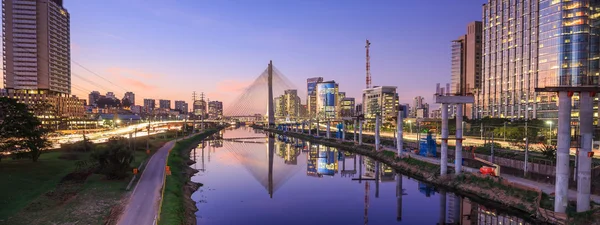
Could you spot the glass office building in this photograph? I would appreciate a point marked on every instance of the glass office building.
(327, 100)
(530, 44)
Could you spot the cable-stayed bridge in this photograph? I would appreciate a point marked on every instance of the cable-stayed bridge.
(259, 161)
(254, 99)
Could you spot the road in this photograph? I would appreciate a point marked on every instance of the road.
(144, 201)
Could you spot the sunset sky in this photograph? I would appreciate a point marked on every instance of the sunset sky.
(165, 49)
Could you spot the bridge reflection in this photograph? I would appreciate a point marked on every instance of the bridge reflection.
(259, 155)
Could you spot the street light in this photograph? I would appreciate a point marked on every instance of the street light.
(549, 122)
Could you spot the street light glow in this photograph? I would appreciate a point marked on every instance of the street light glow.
(549, 122)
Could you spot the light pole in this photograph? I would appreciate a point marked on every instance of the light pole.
(549, 122)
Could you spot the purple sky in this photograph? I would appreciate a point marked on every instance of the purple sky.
(167, 49)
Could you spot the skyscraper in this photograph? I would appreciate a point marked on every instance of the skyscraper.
(37, 46)
(533, 44)
(200, 108)
(466, 64)
(326, 100)
(382, 100)
(311, 99)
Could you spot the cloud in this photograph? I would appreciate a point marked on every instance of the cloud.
(136, 84)
(232, 86)
(119, 71)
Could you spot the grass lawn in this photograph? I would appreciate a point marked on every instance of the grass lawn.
(30, 193)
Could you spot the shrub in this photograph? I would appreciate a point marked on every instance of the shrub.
(114, 159)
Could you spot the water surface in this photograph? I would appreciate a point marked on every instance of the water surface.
(250, 178)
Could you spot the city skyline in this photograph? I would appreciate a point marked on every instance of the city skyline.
(148, 57)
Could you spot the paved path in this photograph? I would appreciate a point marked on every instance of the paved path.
(144, 201)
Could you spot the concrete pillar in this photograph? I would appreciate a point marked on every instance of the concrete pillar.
(399, 130)
(399, 193)
(343, 130)
(377, 128)
(562, 152)
(355, 136)
(328, 129)
(444, 154)
(309, 127)
(459, 131)
(303, 127)
(318, 129)
(442, 206)
(584, 166)
(360, 125)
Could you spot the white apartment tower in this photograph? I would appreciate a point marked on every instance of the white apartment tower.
(36, 46)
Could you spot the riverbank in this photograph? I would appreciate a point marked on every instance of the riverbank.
(177, 206)
(48, 191)
(522, 199)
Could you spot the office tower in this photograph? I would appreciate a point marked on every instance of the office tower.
(381, 100)
(292, 103)
(311, 99)
(215, 110)
(534, 44)
(130, 96)
(181, 106)
(200, 108)
(164, 104)
(347, 107)
(36, 41)
(279, 105)
(149, 105)
(93, 97)
(326, 99)
(466, 64)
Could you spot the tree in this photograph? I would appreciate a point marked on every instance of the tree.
(549, 151)
(114, 159)
(126, 102)
(108, 102)
(20, 129)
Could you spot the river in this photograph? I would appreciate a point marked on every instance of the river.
(302, 183)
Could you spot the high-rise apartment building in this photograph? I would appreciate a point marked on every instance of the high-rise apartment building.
(311, 98)
(534, 44)
(382, 100)
(149, 105)
(93, 97)
(36, 41)
(466, 64)
(417, 104)
(164, 104)
(288, 105)
(181, 106)
(215, 110)
(130, 96)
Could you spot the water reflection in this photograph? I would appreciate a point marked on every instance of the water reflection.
(336, 187)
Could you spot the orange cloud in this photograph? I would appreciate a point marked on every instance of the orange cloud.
(229, 86)
(136, 84)
(119, 71)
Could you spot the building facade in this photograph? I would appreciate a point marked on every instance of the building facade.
(62, 107)
(200, 108)
(327, 100)
(466, 64)
(149, 105)
(215, 110)
(311, 98)
(535, 44)
(182, 106)
(93, 97)
(130, 96)
(347, 107)
(36, 41)
(164, 104)
(417, 104)
(382, 100)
